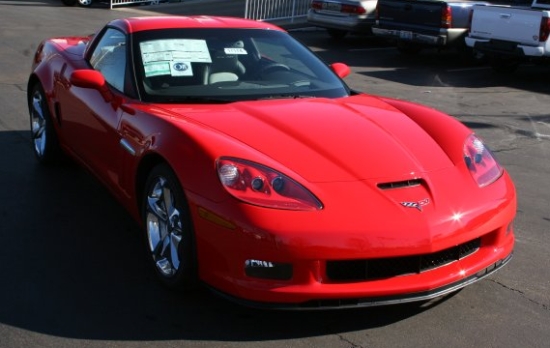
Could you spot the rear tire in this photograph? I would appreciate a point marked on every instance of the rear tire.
(85, 3)
(169, 231)
(504, 65)
(408, 48)
(337, 34)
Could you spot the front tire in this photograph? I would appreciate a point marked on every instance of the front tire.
(168, 228)
(43, 135)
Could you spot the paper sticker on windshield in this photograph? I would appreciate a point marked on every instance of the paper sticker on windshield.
(234, 50)
(181, 69)
(157, 69)
(183, 50)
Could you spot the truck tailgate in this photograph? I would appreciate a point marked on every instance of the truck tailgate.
(423, 13)
(521, 25)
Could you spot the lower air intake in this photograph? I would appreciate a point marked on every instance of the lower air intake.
(370, 269)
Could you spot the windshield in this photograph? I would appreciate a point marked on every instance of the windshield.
(209, 65)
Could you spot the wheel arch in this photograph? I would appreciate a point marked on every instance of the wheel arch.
(33, 80)
(146, 164)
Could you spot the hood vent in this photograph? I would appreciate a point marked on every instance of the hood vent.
(400, 184)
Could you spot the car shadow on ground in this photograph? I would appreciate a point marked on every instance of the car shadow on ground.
(72, 264)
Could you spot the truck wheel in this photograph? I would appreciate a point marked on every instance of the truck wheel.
(85, 3)
(504, 65)
(405, 47)
(337, 34)
(69, 2)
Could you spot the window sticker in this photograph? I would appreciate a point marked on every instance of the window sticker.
(156, 69)
(173, 57)
(234, 50)
(181, 69)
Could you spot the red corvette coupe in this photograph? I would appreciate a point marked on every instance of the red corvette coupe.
(252, 168)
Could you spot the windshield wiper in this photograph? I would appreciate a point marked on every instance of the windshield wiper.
(287, 96)
(198, 100)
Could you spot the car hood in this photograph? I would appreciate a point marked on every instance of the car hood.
(327, 140)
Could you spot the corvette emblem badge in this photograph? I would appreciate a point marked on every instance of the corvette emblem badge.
(417, 205)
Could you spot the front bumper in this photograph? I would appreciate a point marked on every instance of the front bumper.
(343, 303)
(313, 242)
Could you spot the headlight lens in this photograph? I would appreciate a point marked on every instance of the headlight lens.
(480, 162)
(260, 185)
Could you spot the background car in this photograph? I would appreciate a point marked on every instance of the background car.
(252, 168)
(340, 17)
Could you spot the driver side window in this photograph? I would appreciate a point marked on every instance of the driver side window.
(109, 58)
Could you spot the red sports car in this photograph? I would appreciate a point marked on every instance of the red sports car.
(252, 168)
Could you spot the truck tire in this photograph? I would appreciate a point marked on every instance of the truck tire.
(336, 34)
(504, 65)
(69, 2)
(409, 48)
(85, 3)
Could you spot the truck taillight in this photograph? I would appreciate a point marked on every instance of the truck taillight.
(544, 29)
(446, 17)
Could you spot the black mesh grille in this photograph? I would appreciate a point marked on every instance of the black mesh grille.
(356, 270)
(400, 184)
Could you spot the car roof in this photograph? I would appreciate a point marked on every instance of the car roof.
(137, 24)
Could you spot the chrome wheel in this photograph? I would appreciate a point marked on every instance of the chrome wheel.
(43, 135)
(164, 228)
(85, 2)
(38, 123)
(168, 229)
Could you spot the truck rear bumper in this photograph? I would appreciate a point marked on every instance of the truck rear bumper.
(506, 48)
(443, 38)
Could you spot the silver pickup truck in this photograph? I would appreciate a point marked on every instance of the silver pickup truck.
(510, 35)
(416, 24)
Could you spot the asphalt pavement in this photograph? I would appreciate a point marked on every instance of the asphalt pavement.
(72, 267)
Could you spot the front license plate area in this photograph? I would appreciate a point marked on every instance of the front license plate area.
(405, 35)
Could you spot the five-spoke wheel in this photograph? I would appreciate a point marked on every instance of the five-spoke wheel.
(168, 228)
(43, 136)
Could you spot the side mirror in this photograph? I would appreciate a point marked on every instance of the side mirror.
(87, 78)
(341, 69)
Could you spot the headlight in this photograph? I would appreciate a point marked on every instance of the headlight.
(480, 162)
(259, 185)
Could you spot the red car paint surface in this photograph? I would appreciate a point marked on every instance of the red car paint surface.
(289, 190)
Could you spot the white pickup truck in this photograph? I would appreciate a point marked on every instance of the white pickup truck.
(510, 35)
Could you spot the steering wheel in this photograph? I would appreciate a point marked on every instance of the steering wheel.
(272, 67)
